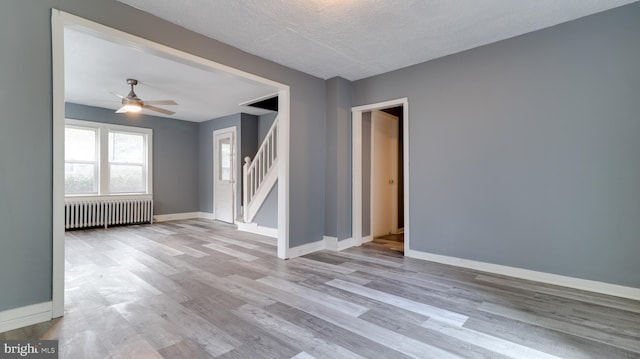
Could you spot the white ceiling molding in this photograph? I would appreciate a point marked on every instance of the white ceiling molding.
(356, 39)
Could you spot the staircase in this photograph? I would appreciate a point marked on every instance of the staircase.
(260, 174)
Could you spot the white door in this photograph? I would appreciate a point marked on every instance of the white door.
(384, 173)
(224, 174)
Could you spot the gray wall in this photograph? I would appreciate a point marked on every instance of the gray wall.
(331, 168)
(25, 155)
(249, 126)
(26, 128)
(264, 124)
(267, 215)
(249, 136)
(525, 152)
(175, 155)
(338, 159)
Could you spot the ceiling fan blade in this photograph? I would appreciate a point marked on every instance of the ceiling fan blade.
(122, 110)
(158, 109)
(161, 102)
(116, 94)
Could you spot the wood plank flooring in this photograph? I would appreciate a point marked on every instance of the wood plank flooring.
(200, 289)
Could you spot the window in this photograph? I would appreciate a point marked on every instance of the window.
(126, 163)
(225, 159)
(103, 159)
(80, 160)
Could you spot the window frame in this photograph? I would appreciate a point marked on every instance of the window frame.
(142, 164)
(103, 164)
(95, 163)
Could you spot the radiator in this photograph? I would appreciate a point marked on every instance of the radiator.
(105, 213)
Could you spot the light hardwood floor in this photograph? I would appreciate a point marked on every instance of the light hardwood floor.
(199, 289)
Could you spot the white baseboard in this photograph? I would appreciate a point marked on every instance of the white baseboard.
(330, 243)
(367, 239)
(206, 215)
(21, 317)
(255, 228)
(549, 278)
(306, 248)
(175, 216)
(333, 244)
(345, 243)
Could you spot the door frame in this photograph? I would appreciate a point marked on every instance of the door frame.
(357, 177)
(394, 191)
(234, 169)
(61, 20)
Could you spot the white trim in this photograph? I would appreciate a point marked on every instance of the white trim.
(356, 185)
(405, 175)
(283, 172)
(380, 105)
(327, 242)
(356, 166)
(345, 243)
(333, 244)
(257, 229)
(372, 190)
(330, 243)
(108, 126)
(206, 215)
(306, 248)
(60, 20)
(57, 64)
(28, 315)
(258, 99)
(235, 161)
(175, 216)
(367, 239)
(543, 277)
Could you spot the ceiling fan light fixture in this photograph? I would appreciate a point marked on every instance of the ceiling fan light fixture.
(132, 103)
(132, 107)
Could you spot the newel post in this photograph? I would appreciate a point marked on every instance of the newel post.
(245, 188)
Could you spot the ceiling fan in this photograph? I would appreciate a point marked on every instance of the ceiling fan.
(132, 103)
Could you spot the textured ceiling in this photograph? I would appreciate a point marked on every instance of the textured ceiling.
(95, 67)
(360, 38)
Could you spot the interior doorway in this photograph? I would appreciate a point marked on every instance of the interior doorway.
(386, 178)
(59, 22)
(224, 182)
(380, 173)
(384, 173)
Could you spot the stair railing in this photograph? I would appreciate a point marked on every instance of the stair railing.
(256, 171)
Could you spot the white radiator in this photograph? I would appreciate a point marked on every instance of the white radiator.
(98, 213)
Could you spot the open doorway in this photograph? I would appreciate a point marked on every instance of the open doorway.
(380, 174)
(62, 21)
(386, 174)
